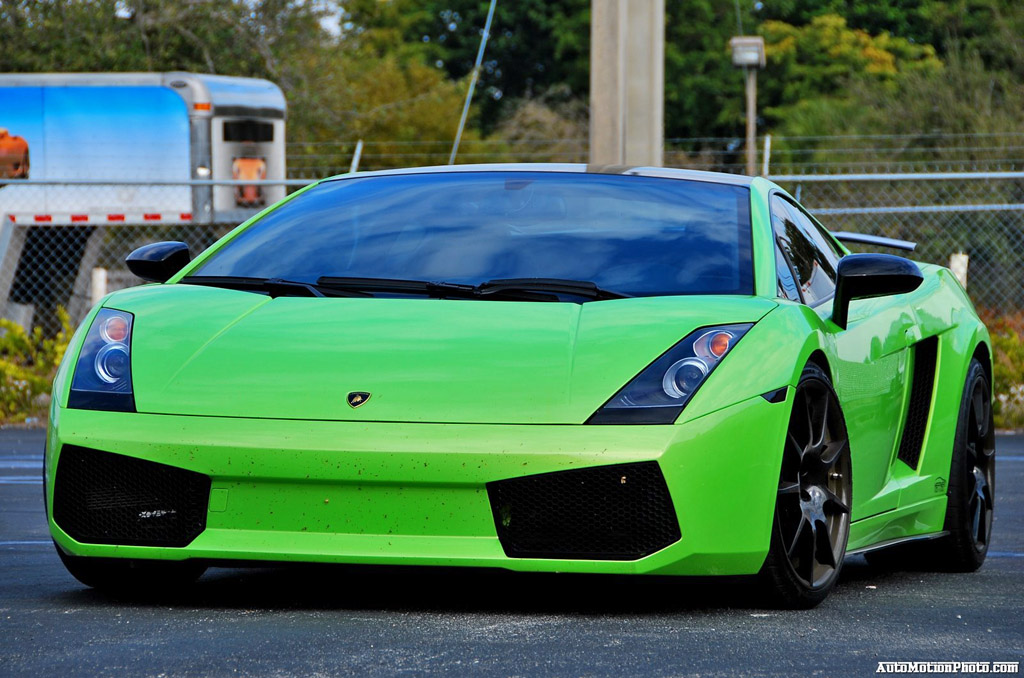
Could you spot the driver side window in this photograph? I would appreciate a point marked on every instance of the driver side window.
(813, 262)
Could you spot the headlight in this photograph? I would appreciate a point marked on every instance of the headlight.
(103, 374)
(658, 394)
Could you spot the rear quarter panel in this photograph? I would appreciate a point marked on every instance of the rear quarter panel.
(943, 309)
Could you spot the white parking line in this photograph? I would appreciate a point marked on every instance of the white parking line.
(26, 542)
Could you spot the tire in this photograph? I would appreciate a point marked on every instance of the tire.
(972, 478)
(811, 526)
(126, 576)
(965, 545)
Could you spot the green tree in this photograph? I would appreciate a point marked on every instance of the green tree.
(535, 45)
(703, 91)
(819, 61)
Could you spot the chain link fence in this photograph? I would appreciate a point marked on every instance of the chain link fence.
(63, 245)
(788, 155)
(979, 214)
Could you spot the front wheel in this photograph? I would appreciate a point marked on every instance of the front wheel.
(812, 508)
(126, 576)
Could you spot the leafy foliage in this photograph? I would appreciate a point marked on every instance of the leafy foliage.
(395, 70)
(28, 364)
(535, 45)
(1008, 368)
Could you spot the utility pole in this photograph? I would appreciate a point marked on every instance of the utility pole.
(627, 82)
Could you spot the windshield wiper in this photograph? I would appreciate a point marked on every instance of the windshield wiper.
(579, 288)
(395, 285)
(513, 289)
(440, 290)
(275, 287)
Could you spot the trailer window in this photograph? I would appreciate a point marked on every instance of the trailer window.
(252, 131)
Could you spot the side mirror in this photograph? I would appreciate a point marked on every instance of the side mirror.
(158, 261)
(862, 276)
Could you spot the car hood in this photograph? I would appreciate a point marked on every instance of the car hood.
(218, 352)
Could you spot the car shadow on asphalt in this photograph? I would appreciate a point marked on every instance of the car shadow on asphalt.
(462, 590)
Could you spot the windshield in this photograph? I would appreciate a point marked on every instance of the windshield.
(637, 236)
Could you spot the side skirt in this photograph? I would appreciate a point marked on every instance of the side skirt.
(897, 542)
(921, 520)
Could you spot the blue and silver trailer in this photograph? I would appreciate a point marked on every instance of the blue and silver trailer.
(98, 149)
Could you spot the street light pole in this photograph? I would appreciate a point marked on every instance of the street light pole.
(748, 54)
(751, 76)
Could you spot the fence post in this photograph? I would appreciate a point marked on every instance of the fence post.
(958, 264)
(99, 284)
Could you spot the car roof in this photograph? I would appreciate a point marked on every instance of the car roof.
(663, 172)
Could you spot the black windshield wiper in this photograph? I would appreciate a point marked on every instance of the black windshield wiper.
(440, 290)
(513, 289)
(275, 287)
(579, 288)
(395, 285)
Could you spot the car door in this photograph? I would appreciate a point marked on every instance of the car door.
(871, 372)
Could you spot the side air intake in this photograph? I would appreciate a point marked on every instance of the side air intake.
(104, 498)
(618, 512)
(920, 403)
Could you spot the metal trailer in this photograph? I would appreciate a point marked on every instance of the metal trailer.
(113, 149)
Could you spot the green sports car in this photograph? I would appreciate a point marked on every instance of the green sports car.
(533, 367)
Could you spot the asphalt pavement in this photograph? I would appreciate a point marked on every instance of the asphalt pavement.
(360, 621)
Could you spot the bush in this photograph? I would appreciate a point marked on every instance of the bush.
(1008, 369)
(28, 363)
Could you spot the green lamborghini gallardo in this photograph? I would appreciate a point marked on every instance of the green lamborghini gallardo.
(533, 367)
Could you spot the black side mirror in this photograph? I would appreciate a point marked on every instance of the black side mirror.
(158, 261)
(862, 276)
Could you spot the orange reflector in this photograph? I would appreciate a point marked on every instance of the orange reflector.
(719, 344)
(201, 107)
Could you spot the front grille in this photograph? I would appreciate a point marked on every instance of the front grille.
(920, 402)
(619, 512)
(104, 498)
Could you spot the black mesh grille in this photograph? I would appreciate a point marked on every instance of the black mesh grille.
(104, 498)
(620, 512)
(920, 402)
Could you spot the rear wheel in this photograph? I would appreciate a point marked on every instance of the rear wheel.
(972, 478)
(812, 510)
(125, 576)
(970, 492)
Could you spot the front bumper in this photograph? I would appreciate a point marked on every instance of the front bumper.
(387, 493)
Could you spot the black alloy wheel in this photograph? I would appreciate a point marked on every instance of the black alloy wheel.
(812, 512)
(972, 477)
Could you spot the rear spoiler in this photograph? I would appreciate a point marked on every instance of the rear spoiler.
(864, 239)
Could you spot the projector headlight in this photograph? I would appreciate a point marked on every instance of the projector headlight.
(103, 373)
(660, 392)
